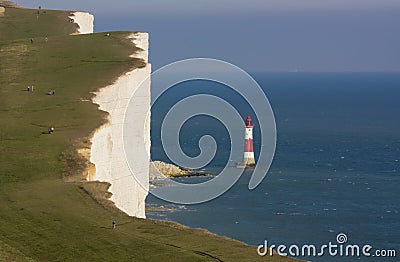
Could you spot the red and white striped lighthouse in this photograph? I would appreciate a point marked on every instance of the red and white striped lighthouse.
(248, 158)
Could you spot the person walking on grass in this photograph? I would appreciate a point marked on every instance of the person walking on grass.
(113, 224)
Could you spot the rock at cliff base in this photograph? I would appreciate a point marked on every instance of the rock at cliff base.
(2, 11)
(158, 168)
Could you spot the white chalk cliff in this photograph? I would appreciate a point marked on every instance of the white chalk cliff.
(85, 22)
(107, 151)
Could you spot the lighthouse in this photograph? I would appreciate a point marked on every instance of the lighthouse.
(248, 158)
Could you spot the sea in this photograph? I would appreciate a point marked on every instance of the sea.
(336, 169)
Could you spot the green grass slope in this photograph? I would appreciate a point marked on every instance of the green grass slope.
(42, 217)
(36, 23)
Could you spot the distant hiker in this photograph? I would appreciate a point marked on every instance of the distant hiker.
(29, 88)
(51, 130)
(31, 40)
(113, 224)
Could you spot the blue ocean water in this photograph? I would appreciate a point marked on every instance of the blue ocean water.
(336, 167)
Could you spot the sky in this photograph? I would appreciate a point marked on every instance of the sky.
(258, 35)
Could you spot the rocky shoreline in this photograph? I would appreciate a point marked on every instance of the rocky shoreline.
(159, 168)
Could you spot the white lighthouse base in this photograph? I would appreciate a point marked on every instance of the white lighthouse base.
(247, 163)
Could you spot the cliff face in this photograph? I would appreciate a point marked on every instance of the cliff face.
(9, 4)
(107, 152)
(85, 22)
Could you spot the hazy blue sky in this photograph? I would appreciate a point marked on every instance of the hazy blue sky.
(258, 35)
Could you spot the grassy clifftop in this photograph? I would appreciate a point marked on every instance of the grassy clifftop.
(43, 217)
(35, 23)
